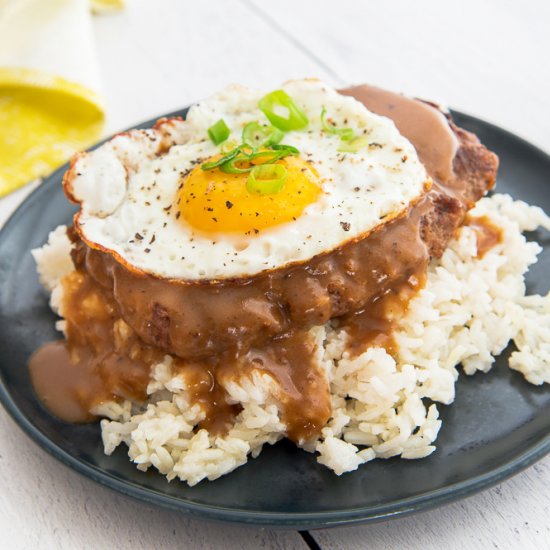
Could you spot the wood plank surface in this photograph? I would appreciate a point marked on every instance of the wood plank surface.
(488, 58)
(513, 515)
(160, 56)
(45, 505)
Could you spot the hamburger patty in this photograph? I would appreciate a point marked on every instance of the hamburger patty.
(197, 320)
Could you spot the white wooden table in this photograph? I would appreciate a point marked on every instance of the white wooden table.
(488, 58)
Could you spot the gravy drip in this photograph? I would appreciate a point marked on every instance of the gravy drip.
(119, 322)
(425, 127)
(101, 359)
(374, 326)
(304, 390)
(205, 390)
(59, 386)
(487, 233)
(388, 267)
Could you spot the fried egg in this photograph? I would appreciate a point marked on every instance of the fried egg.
(145, 197)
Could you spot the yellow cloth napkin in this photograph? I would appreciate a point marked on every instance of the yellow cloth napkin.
(50, 105)
(101, 6)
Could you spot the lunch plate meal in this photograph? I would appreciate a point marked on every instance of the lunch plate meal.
(273, 270)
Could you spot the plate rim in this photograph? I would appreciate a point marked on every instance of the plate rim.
(277, 520)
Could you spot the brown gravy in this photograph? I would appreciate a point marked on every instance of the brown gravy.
(102, 358)
(205, 389)
(374, 326)
(425, 127)
(305, 392)
(487, 233)
(119, 322)
(64, 388)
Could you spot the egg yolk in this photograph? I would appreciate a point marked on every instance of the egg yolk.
(213, 201)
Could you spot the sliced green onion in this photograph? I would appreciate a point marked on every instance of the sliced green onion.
(354, 145)
(219, 132)
(277, 152)
(214, 164)
(228, 146)
(229, 163)
(231, 166)
(266, 157)
(254, 134)
(346, 134)
(246, 150)
(276, 137)
(295, 119)
(257, 135)
(288, 149)
(266, 179)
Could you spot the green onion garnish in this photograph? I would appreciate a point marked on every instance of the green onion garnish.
(256, 135)
(232, 165)
(216, 163)
(222, 160)
(219, 132)
(228, 146)
(277, 152)
(288, 149)
(346, 134)
(354, 145)
(243, 154)
(266, 179)
(280, 100)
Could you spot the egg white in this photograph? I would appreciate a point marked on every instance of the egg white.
(127, 188)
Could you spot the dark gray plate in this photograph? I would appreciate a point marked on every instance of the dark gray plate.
(498, 424)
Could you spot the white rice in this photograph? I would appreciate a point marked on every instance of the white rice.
(467, 313)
